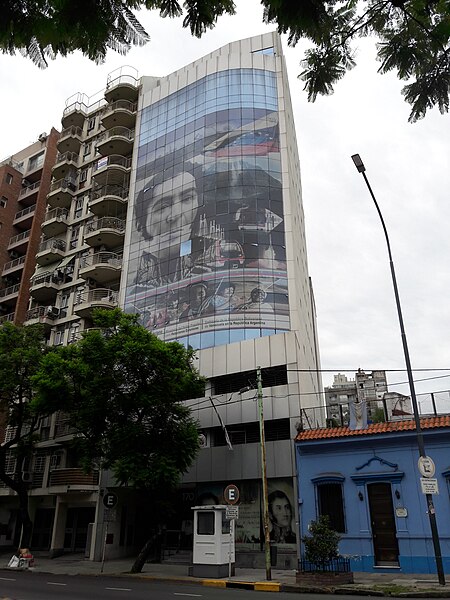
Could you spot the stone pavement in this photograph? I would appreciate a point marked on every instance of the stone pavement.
(379, 584)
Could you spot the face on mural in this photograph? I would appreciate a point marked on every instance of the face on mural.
(173, 207)
(281, 512)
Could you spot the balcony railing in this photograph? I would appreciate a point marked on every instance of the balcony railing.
(109, 190)
(62, 213)
(101, 295)
(121, 105)
(37, 312)
(110, 258)
(117, 131)
(67, 157)
(73, 477)
(25, 211)
(17, 262)
(29, 189)
(20, 237)
(52, 244)
(107, 223)
(7, 318)
(72, 131)
(12, 289)
(114, 159)
(65, 183)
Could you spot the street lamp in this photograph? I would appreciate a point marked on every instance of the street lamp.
(420, 442)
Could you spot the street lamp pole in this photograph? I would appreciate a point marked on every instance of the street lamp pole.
(420, 441)
(264, 477)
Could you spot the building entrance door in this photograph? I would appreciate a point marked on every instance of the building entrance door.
(42, 529)
(384, 533)
(77, 523)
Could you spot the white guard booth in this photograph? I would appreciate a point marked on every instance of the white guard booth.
(213, 542)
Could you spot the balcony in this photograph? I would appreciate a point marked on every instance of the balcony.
(108, 200)
(9, 294)
(13, 265)
(44, 286)
(121, 113)
(122, 84)
(106, 231)
(24, 218)
(50, 251)
(74, 114)
(19, 242)
(61, 192)
(7, 318)
(70, 139)
(55, 222)
(118, 140)
(64, 164)
(111, 169)
(28, 194)
(86, 302)
(42, 315)
(103, 267)
(75, 479)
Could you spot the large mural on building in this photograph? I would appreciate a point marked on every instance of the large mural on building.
(207, 257)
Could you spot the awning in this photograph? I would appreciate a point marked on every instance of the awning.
(46, 269)
(65, 261)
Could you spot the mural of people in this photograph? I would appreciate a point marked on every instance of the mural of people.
(257, 302)
(280, 515)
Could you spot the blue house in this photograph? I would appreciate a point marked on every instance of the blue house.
(368, 482)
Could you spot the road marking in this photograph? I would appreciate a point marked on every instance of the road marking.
(55, 583)
(7, 579)
(192, 595)
(119, 589)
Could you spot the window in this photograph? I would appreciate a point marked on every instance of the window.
(91, 124)
(205, 523)
(83, 175)
(36, 161)
(79, 203)
(9, 178)
(330, 502)
(3, 202)
(87, 150)
(59, 336)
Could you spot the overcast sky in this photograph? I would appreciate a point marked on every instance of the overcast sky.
(407, 165)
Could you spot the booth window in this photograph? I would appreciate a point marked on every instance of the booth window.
(205, 523)
(331, 503)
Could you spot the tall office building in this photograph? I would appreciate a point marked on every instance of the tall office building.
(179, 198)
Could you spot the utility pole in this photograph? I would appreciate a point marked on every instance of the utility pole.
(264, 476)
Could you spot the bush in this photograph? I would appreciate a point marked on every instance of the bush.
(322, 543)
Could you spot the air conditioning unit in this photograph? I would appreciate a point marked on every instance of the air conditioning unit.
(52, 312)
(203, 439)
(27, 476)
(42, 136)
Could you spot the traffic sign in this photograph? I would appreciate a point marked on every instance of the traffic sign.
(110, 500)
(426, 466)
(232, 512)
(231, 494)
(429, 486)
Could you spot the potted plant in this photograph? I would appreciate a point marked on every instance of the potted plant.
(322, 564)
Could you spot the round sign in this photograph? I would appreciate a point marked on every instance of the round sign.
(110, 500)
(426, 466)
(231, 494)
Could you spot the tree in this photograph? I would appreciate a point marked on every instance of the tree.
(413, 35)
(322, 544)
(21, 353)
(122, 389)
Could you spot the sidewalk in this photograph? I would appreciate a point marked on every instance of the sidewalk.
(379, 584)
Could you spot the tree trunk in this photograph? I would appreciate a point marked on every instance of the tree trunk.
(144, 553)
(27, 525)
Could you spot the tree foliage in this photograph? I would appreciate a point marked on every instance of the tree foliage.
(413, 35)
(322, 543)
(21, 354)
(122, 388)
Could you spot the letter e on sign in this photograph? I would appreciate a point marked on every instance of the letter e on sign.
(109, 500)
(231, 494)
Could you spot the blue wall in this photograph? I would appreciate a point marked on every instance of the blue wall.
(390, 457)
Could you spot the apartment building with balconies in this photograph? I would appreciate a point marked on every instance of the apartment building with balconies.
(24, 184)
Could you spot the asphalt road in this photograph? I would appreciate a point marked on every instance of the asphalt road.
(45, 586)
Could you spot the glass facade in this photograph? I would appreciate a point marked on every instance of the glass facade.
(207, 261)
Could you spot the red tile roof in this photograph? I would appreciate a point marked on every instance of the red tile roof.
(338, 432)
